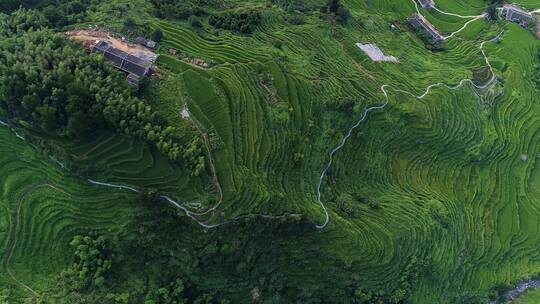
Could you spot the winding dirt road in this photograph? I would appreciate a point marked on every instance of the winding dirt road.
(333, 152)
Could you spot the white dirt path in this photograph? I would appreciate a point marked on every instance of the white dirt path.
(384, 87)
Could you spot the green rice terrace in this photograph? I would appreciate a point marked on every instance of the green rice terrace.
(269, 151)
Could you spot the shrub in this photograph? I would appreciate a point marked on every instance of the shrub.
(340, 13)
(277, 44)
(244, 23)
(195, 22)
(157, 35)
(296, 19)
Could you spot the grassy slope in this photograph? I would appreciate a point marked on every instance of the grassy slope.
(531, 297)
(472, 223)
(489, 212)
(53, 208)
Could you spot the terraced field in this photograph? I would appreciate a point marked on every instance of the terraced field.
(42, 209)
(434, 195)
(447, 170)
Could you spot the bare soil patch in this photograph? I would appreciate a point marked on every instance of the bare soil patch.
(90, 37)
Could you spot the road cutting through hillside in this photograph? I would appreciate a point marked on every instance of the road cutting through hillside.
(489, 83)
(332, 153)
(473, 18)
(443, 12)
(383, 88)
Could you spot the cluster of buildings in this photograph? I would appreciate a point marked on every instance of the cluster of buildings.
(509, 12)
(517, 14)
(134, 66)
(420, 23)
(426, 3)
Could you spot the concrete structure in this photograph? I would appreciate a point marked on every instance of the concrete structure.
(147, 43)
(517, 14)
(375, 53)
(422, 24)
(134, 66)
(426, 3)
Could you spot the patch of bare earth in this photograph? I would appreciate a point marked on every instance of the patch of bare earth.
(89, 37)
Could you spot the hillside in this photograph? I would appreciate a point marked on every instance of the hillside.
(269, 159)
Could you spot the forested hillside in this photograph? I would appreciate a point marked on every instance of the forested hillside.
(269, 158)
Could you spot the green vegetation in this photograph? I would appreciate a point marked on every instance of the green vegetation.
(431, 200)
(179, 10)
(531, 297)
(340, 12)
(536, 77)
(55, 87)
(244, 23)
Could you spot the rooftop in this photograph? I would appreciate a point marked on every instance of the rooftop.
(517, 14)
(426, 3)
(135, 67)
(418, 21)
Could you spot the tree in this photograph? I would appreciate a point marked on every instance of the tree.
(157, 35)
(21, 21)
(93, 260)
(333, 6)
(342, 15)
(149, 195)
(195, 22)
(78, 124)
(74, 93)
(54, 15)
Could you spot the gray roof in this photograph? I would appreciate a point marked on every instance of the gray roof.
(426, 3)
(145, 42)
(116, 56)
(516, 14)
(122, 60)
(101, 47)
(419, 22)
(133, 79)
(140, 40)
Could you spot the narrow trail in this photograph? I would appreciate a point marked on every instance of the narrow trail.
(455, 15)
(164, 197)
(465, 26)
(473, 18)
(332, 153)
(517, 290)
(190, 214)
(15, 233)
(384, 87)
(204, 134)
(443, 12)
(193, 215)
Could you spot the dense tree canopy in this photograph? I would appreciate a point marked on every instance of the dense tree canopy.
(244, 22)
(51, 84)
(179, 10)
(58, 12)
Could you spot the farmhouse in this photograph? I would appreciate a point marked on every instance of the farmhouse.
(426, 3)
(145, 42)
(134, 66)
(516, 14)
(420, 23)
